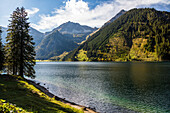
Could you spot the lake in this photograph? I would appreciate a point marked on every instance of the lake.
(109, 87)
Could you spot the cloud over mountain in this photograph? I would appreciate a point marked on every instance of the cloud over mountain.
(79, 11)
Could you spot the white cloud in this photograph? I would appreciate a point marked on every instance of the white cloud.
(32, 11)
(79, 11)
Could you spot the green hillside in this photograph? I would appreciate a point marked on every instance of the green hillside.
(139, 34)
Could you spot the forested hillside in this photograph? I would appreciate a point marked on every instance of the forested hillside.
(139, 34)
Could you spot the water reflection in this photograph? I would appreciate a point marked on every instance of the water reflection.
(102, 85)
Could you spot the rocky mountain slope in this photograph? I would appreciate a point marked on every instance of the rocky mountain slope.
(74, 28)
(75, 31)
(61, 40)
(54, 44)
(38, 36)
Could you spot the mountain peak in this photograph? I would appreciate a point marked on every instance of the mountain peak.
(69, 23)
(74, 28)
(114, 18)
(122, 11)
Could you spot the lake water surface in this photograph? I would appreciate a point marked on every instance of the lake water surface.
(138, 86)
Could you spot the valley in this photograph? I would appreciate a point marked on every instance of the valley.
(135, 35)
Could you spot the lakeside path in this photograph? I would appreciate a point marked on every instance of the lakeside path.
(44, 90)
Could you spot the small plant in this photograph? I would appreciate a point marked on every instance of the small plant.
(9, 108)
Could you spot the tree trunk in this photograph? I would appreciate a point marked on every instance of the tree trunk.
(21, 57)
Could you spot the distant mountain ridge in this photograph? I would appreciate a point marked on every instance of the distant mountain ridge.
(74, 28)
(69, 31)
(54, 44)
(38, 36)
(62, 39)
(3, 34)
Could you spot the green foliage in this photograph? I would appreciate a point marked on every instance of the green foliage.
(163, 50)
(58, 58)
(10, 108)
(1, 53)
(17, 90)
(20, 54)
(116, 39)
(150, 44)
(81, 56)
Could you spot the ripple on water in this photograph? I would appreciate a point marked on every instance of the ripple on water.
(109, 87)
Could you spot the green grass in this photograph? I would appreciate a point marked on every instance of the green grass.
(24, 95)
(9, 108)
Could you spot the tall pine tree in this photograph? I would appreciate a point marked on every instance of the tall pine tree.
(1, 53)
(20, 54)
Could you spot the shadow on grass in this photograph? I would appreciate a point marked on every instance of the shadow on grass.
(15, 92)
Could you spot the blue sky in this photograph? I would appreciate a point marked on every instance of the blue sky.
(48, 14)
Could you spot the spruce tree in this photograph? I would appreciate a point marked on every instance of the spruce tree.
(1, 53)
(20, 53)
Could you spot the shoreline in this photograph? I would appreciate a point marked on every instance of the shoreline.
(72, 104)
(134, 61)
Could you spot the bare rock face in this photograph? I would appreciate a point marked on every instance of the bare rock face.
(74, 28)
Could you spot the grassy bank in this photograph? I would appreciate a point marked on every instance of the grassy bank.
(18, 94)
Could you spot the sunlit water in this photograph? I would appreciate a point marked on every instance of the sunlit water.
(105, 86)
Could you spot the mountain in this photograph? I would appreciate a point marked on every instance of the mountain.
(107, 23)
(62, 40)
(115, 17)
(139, 34)
(74, 28)
(54, 44)
(38, 36)
(75, 31)
(4, 33)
